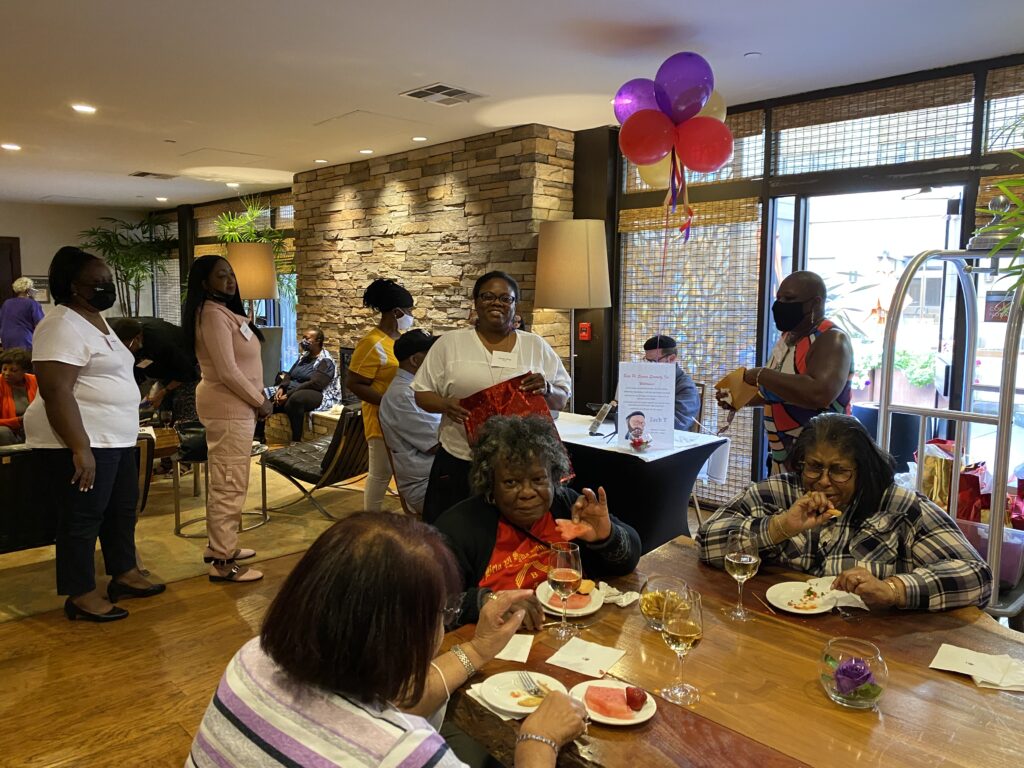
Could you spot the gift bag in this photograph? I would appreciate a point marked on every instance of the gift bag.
(937, 471)
(1015, 508)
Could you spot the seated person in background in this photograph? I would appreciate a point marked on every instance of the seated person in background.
(409, 431)
(841, 515)
(162, 353)
(311, 384)
(500, 536)
(662, 349)
(17, 389)
(346, 666)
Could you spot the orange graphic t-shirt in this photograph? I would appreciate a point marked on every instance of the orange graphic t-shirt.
(518, 561)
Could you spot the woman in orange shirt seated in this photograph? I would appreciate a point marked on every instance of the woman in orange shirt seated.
(17, 389)
(501, 537)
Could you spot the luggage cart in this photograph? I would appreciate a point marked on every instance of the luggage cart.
(1008, 603)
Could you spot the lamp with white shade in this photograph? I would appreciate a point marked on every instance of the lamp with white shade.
(572, 273)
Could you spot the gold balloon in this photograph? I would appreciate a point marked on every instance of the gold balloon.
(656, 174)
(714, 108)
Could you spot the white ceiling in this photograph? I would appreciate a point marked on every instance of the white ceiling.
(271, 85)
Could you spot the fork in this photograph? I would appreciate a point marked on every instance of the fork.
(529, 684)
(846, 614)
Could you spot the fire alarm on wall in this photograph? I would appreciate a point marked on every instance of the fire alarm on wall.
(584, 332)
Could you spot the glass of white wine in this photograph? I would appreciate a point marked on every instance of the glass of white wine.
(565, 573)
(682, 627)
(652, 598)
(742, 560)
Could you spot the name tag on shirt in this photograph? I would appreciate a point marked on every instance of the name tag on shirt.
(503, 359)
(143, 363)
(246, 331)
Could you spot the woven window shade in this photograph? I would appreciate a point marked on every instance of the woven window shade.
(987, 189)
(1004, 109)
(905, 123)
(702, 294)
(747, 158)
(167, 290)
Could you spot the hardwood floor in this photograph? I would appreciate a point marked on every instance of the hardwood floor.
(130, 693)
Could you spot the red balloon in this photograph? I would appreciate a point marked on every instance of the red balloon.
(703, 144)
(647, 136)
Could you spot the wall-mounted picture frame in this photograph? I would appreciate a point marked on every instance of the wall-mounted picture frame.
(40, 288)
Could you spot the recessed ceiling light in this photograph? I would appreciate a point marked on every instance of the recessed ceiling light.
(752, 55)
(419, 138)
(233, 184)
(11, 147)
(365, 151)
(320, 161)
(161, 199)
(84, 109)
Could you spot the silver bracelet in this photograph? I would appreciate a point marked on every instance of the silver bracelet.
(462, 657)
(535, 737)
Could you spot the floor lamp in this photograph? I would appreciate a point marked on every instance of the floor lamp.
(253, 264)
(572, 273)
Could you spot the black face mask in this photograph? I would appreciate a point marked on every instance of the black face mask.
(103, 296)
(788, 314)
(223, 298)
(304, 345)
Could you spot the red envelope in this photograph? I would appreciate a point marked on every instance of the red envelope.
(505, 399)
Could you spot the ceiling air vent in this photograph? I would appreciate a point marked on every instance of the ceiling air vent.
(152, 175)
(445, 95)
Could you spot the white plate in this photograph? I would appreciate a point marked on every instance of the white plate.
(503, 691)
(545, 593)
(646, 711)
(780, 596)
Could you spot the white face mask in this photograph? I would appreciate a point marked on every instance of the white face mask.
(405, 322)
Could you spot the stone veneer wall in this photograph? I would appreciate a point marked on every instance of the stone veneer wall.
(435, 219)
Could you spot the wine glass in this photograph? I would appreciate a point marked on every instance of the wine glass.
(565, 573)
(652, 598)
(741, 562)
(682, 627)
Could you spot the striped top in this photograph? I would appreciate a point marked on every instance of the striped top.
(259, 718)
(783, 422)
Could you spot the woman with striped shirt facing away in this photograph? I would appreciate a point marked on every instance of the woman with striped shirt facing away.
(346, 668)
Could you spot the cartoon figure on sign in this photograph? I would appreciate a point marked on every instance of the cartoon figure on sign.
(636, 431)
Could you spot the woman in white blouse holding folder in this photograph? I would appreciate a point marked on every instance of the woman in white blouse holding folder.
(468, 360)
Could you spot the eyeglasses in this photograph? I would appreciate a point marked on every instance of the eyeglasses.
(658, 359)
(452, 609)
(813, 471)
(489, 298)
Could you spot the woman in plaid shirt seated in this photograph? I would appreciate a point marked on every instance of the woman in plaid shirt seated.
(841, 514)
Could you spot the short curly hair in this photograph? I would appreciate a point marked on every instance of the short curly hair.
(514, 441)
(18, 356)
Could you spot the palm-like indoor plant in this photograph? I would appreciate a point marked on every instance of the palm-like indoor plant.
(135, 252)
(252, 225)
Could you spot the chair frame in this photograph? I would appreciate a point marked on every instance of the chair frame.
(307, 493)
(696, 427)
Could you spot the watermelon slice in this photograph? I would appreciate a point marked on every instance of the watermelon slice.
(574, 603)
(608, 702)
(570, 530)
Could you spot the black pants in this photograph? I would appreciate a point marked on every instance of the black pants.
(107, 512)
(297, 406)
(447, 486)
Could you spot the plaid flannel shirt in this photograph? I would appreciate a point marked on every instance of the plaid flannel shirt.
(908, 537)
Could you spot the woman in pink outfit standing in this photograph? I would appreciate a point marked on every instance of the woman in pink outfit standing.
(229, 399)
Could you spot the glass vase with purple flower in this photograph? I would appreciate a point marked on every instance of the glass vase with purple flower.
(853, 672)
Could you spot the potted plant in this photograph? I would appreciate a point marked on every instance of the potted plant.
(134, 251)
(1009, 224)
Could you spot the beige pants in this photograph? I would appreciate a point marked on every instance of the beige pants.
(379, 475)
(229, 447)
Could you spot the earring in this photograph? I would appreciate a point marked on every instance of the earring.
(489, 498)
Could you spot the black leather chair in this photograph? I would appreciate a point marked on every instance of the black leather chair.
(326, 461)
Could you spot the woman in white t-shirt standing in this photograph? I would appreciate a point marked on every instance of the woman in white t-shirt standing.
(468, 360)
(84, 425)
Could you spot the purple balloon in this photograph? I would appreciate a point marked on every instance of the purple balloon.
(687, 82)
(638, 94)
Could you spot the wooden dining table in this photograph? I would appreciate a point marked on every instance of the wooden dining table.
(761, 703)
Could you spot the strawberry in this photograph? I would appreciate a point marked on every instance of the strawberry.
(636, 698)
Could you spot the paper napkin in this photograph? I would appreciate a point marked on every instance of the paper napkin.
(616, 597)
(738, 392)
(587, 658)
(518, 649)
(475, 695)
(987, 670)
(823, 584)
